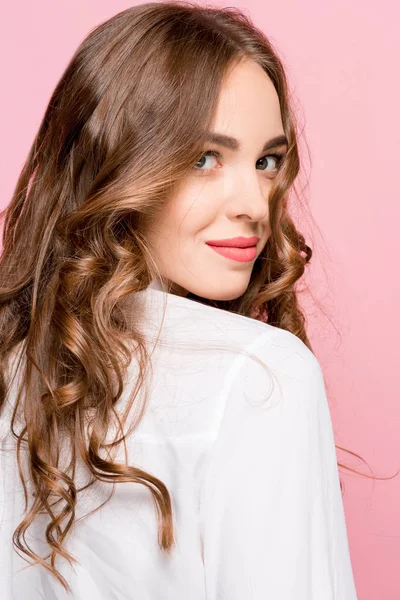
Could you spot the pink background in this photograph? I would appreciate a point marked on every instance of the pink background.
(342, 62)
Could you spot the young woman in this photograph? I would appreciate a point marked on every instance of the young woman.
(165, 431)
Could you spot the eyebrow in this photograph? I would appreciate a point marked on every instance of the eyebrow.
(234, 144)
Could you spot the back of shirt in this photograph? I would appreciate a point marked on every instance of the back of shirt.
(247, 454)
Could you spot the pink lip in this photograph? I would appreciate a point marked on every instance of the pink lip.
(238, 254)
(236, 242)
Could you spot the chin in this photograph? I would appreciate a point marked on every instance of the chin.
(225, 294)
(226, 297)
(229, 291)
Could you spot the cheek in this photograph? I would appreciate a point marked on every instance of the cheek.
(191, 210)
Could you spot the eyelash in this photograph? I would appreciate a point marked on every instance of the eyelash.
(278, 156)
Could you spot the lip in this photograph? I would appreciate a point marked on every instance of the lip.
(247, 254)
(236, 242)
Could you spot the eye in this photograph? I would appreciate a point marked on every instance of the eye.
(208, 154)
(204, 167)
(277, 158)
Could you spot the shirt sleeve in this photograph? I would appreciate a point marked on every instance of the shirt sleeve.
(271, 514)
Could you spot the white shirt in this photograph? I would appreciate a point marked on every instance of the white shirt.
(249, 461)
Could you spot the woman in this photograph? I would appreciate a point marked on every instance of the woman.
(134, 341)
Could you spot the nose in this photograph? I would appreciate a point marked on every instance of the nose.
(249, 194)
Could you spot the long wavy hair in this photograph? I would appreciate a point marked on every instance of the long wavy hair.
(122, 127)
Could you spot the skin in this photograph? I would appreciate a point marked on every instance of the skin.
(225, 196)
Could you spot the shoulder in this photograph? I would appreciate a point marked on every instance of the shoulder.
(248, 338)
(279, 347)
(263, 339)
(276, 369)
(273, 404)
(285, 349)
(216, 322)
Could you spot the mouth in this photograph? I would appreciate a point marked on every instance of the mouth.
(238, 254)
(236, 242)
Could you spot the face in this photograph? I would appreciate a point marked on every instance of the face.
(225, 195)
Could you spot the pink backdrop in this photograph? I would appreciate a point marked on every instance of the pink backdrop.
(342, 62)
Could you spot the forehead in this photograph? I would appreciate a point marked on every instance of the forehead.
(248, 102)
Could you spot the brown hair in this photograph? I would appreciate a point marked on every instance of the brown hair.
(143, 84)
